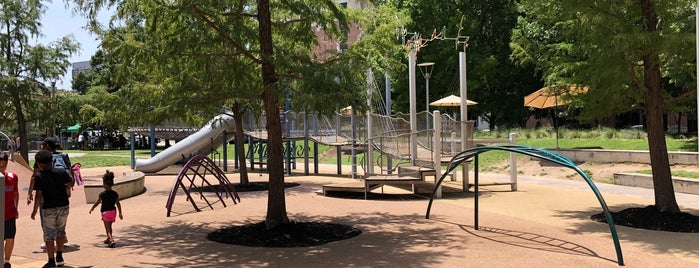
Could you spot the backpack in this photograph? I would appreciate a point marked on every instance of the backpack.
(60, 160)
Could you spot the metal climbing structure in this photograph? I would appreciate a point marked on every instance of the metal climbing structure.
(194, 178)
(536, 153)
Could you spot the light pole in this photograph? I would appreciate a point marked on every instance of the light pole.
(426, 70)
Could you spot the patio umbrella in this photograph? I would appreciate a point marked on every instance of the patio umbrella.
(553, 96)
(450, 101)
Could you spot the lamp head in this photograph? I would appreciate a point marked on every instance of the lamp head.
(426, 69)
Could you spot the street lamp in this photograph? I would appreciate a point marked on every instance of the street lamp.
(426, 70)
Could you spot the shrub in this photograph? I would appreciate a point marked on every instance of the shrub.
(610, 133)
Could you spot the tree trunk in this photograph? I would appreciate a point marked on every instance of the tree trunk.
(21, 124)
(662, 179)
(240, 144)
(276, 202)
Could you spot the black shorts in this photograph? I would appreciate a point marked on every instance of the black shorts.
(10, 228)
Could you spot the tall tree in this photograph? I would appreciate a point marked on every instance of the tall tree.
(632, 55)
(24, 68)
(192, 57)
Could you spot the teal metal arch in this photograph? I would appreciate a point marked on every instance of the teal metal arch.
(533, 152)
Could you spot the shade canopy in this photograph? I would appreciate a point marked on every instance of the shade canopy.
(450, 101)
(553, 96)
(73, 128)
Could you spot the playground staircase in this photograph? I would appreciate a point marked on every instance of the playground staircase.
(417, 171)
(414, 176)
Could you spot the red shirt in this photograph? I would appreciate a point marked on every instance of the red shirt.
(11, 190)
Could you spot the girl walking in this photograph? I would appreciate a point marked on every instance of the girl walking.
(110, 204)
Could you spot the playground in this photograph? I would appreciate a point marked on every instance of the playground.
(532, 222)
(544, 223)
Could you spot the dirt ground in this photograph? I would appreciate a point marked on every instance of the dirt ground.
(600, 172)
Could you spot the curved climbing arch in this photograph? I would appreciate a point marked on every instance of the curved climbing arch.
(533, 152)
(193, 176)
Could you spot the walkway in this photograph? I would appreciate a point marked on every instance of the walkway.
(545, 223)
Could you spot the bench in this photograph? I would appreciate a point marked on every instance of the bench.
(131, 184)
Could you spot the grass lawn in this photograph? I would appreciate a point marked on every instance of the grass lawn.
(621, 140)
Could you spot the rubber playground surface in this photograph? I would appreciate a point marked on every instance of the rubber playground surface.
(543, 224)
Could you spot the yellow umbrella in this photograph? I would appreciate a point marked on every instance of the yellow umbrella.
(450, 101)
(553, 96)
(346, 111)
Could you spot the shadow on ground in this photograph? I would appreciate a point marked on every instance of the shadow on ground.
(187, 243)
(660, 240)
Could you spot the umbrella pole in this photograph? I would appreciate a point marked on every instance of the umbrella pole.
(557, 138)
(555, 125)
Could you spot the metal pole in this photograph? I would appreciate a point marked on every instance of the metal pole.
(412, 58)
(353, 142)
(306, 130)
(369, 124)
(427, 93)
(388, 93)
(389, 160)
(426, 69)
(696, 20)
(224, 136)
(463, 90)
(437, 149)
(133, 149)
(152, 140)
(513, 164)
(2, 212)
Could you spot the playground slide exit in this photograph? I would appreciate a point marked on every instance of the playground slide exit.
(201, 140)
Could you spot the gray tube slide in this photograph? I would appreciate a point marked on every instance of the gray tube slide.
(199, 141)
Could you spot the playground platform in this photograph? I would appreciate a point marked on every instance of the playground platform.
(543, 224)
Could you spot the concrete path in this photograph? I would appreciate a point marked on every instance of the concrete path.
(544, 224)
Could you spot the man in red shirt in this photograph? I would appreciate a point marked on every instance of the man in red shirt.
(11, 213)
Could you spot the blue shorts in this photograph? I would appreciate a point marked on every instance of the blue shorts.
(53, 222)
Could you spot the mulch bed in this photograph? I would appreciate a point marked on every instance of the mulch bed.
(250, 187)
(651, 219)
(293, 234)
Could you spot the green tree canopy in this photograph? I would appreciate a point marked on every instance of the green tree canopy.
(24, 68)
(494, 81)
(190, 58)
(632, 55)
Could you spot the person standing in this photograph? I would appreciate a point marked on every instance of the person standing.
(11, 212)
(51, 145)
(60, 160)
(50, 191)
(110, 204)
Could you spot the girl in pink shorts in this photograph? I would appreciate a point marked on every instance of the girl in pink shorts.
(110, 204)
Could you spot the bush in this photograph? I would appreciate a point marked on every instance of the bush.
(610, 133)
(593, 134)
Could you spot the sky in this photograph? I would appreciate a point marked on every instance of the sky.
(57, 22)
